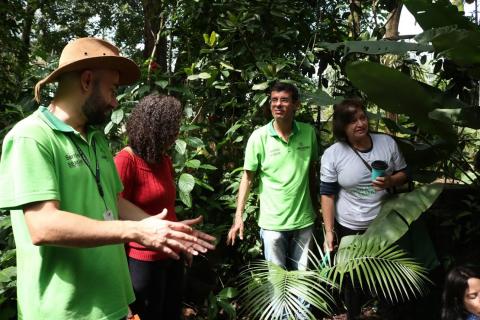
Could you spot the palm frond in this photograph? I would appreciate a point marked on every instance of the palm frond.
(382, 270)
(267, 291)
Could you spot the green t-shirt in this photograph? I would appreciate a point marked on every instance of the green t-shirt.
(39, 162)
(283, 169)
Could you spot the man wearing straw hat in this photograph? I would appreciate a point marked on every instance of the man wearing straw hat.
(68, 222)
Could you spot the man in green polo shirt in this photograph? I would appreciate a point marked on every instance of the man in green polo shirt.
(69, 223)
(282, 154)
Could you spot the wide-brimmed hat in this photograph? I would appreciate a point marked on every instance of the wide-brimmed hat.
(91, 53)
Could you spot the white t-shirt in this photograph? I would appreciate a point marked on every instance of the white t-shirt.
(357, 202)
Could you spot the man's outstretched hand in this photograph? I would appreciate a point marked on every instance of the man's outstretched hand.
(171, 237)
(204, 240)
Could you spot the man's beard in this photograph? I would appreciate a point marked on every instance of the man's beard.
(96, 109)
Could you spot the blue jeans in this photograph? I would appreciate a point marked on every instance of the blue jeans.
(288, 249)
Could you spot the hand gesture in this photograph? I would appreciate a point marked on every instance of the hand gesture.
(166, 236)
(237, 228)
(204, 241)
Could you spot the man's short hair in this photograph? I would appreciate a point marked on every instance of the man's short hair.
(288, 87)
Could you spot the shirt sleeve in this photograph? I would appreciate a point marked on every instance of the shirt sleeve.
(397, 158)
(252, 154)
(126, 170)
(27, 173)
(328, 172)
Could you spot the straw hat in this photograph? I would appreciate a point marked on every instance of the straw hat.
(91, 53)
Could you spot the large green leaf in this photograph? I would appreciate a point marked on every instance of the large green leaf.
(459, 45)
(8, 274)
(321, 98)
(260, 86)
(228, 293)
(430, 14)
(5, 221)
(186, 182)
(193, 163)
(399, 212)
(208, 167)
(389, 88)
(195, 142)
(441, 99)
(186, 198)
(421, 155)
(466, 117)
(398, 93)
(375, 47)
(180, 146)
(117, 116)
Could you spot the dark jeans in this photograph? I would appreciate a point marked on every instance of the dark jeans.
(353, 297)
(158, 287)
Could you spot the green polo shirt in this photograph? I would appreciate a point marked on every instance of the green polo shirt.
(283, 169)
(39, 162)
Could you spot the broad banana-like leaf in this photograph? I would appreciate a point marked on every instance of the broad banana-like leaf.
(398, 93)
(427, 36)
(375, 47)
(388, 88)
(417, 154)
(321, 98)
(459, 45)
(399, 212)
(421, 155)
(440, 99)
(434, 14)
(427, 176)
(394, 126)
(466, 117)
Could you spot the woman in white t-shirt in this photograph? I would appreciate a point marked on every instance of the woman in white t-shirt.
(350, 199)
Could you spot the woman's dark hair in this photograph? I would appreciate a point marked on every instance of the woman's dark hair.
(288, 87)
(343, 114)
(453, 294)
(153, 126)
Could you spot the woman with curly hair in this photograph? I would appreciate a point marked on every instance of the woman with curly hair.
(147, 174)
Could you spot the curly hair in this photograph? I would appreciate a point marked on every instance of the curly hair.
(153, 126)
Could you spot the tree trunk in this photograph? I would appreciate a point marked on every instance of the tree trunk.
(355, 16)
(391, 33)
(30, 9)
(154, 23)
(393, 20)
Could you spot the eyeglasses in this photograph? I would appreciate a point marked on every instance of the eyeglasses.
(282, 100)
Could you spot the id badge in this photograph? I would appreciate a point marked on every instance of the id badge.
(108, 215)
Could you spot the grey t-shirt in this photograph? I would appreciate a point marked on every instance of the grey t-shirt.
(358, 203)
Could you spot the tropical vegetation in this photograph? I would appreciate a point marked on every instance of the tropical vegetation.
(219, 57)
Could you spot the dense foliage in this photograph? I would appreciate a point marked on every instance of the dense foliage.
(219, 57)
